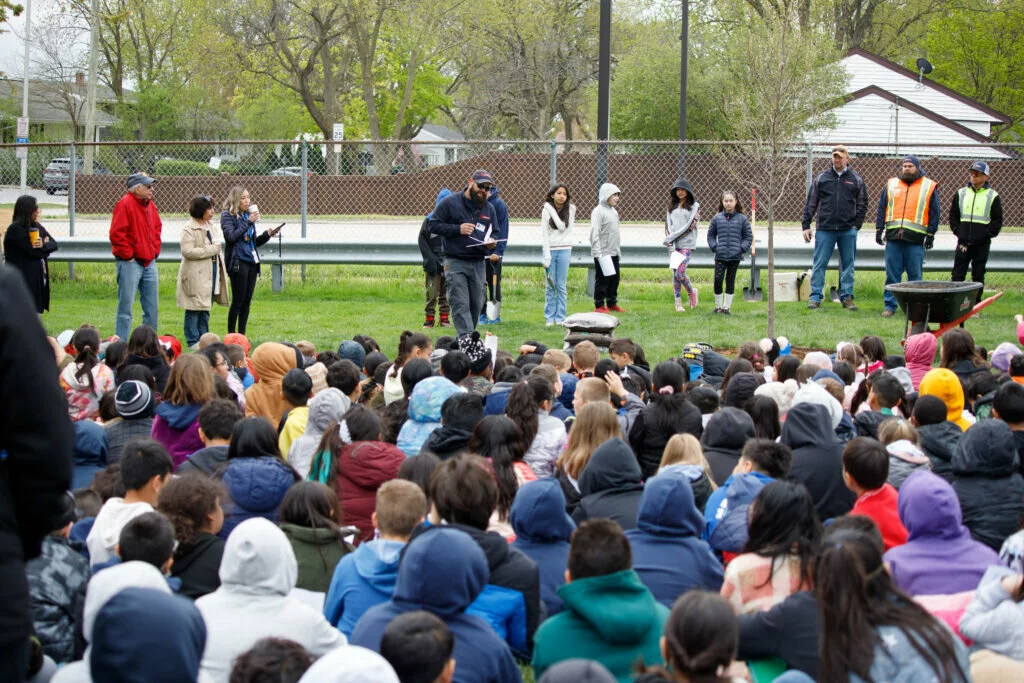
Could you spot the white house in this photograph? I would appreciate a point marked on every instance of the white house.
(890, 111)
(432, 147)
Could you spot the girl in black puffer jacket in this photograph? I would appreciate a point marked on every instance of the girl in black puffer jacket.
(668, 413)
(729, 237)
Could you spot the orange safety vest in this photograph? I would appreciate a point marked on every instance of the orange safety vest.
(907, 207)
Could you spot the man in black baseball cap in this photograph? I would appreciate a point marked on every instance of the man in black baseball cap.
(975, 216)
(466, 221)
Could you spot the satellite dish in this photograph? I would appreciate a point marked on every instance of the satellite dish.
(924, 66)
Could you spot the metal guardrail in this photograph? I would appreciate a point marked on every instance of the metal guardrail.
(303, 252)
(90, 249)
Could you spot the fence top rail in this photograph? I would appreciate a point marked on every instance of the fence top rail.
(647, 143)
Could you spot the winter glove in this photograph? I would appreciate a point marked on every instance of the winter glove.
(929, 241)
(880, 237)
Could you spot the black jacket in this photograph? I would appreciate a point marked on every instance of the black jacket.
(965, 370)
(30, 261)
(840, 201)
(817, 459)
(723, 440)
(510, 568)
(973, 233)
(572, 496)
(37, 437)
(431, 249)
(868, 422)
(156, 364)
(939, 442)
(450, 214)
(446, 442)
(611, 485)
(648, 439)
(198, 566)
(236, 229)
(1018, 438)
(990, 489)
(789, 631)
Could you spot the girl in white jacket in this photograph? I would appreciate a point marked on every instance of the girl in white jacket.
(681, 238)
(556, 223)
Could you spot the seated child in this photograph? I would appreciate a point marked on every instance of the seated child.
(297, 389)
(419, 647)
(56, 585)
(610, 616)
(761, 462)
(217, 420)
(238, 365)
(866, 466)
(145, 468)
(905, 455)
(366, 577)
(683, 453)
(884, 398)
(149, 538)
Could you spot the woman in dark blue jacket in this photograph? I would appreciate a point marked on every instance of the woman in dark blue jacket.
(255, 477)
(729, 237)
(243, 256)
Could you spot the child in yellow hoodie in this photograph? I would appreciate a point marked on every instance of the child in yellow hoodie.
(296, 389)
(944, 384)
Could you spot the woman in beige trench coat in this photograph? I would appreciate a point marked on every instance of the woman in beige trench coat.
(202, 276)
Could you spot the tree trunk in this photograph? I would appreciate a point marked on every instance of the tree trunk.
(771, 259)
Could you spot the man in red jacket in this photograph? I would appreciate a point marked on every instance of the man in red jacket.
(135, 242)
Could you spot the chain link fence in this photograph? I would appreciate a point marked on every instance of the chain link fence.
(372, 192)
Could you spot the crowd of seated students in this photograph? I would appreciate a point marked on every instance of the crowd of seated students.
(274, 513)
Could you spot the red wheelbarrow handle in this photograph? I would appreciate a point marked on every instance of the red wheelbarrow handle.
(945, 327)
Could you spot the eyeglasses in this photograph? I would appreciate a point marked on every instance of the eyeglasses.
(486, 187)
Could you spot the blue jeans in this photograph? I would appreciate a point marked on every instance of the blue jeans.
(197, 323)
(825, 241)
(555, 306)
(132, 278)
(901, 256)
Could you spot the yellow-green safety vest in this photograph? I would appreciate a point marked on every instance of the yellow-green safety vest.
(976, 205)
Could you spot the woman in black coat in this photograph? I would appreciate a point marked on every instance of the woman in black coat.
(27, 246)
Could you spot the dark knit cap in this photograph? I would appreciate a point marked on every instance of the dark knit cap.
(741, 388)
(134, 400)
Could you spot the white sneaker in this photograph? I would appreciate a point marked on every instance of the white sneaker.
(549, 323)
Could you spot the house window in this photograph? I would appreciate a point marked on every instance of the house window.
(449, 155)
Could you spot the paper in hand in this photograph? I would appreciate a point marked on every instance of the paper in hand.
(607, 266)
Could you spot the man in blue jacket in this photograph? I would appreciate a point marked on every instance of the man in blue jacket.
(840, 199)
(443, 571)
(466, 222)
(495, 256)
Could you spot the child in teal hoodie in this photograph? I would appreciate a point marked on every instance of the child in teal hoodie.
(609, 615)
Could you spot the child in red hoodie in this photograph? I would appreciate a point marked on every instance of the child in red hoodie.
(865, 469)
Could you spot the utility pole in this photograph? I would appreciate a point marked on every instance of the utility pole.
(684, 52)
(24, 90)
(604, 70)
(90, 93)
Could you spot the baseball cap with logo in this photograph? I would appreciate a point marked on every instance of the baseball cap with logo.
(980, 167)
(840, 150)
(482, 176)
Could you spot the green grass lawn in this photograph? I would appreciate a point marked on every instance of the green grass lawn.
(337, 302)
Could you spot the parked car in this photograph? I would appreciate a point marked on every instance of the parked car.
(56, 175)
(287, 171)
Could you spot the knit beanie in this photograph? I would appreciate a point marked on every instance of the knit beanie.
(741, 388)
(818, 358)
(353, 351)
(812, 392)
(479, 355)
(169, 341)
(134, 400)
(1003, 354)
(903, 375)
(780, 392)
(693, 354)
(318, 373)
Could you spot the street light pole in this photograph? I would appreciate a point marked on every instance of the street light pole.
(604, 69)
(684, 52)
(24, 89)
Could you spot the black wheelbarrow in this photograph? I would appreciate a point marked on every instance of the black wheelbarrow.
(946, 303)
